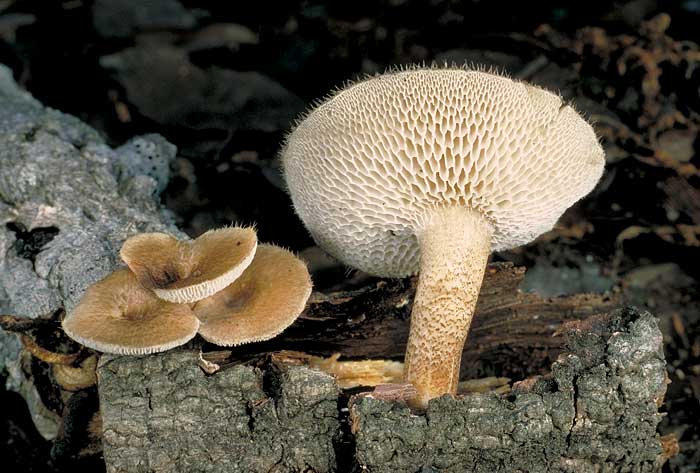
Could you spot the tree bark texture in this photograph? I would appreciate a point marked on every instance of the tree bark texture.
(67, 202)
(162, 413)
(596, 410)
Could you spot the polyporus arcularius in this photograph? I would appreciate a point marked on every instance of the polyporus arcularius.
(259, 305)
(265, 290)
(429, 170)
(118, 315)
(186, 271)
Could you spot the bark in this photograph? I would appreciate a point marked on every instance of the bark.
(595, 410)
(162, 413)
(67, 202)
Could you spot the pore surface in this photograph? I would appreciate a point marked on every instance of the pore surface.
(367, 166)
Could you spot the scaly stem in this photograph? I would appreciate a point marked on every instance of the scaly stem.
(455, 245)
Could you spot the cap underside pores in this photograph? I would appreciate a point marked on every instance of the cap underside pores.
(188, 271)
(367, 165)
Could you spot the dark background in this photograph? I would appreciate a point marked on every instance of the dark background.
(225, 80)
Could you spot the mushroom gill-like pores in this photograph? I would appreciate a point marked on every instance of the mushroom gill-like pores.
(260, 304)
(429, 170)
(117, 315)
(188, 271)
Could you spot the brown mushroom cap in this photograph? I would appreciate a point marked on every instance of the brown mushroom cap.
(188, 271)
(260, 304)
(117, 315)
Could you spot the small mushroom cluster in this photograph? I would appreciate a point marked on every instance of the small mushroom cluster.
(222, 285)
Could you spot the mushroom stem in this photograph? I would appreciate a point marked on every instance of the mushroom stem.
(455, 244)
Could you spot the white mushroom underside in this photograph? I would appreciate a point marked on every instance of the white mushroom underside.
(197, 292)
(366, 167)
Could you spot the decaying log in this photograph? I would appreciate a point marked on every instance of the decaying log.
(162, 413)
(594, 407)
(595, 410)
(512, 330)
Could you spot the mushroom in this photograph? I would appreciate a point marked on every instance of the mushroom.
(117, 315)
(259, 305)
(429, 170)
(188, 271)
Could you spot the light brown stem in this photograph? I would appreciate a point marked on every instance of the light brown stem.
(455, 245)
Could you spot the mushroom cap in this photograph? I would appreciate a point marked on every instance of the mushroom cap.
(188, 271)
(368, 165)
(259, 305)
(117, 315)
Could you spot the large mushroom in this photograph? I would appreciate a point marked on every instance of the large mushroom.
(429, 170)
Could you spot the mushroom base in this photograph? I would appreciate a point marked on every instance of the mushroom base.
(455, 246)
